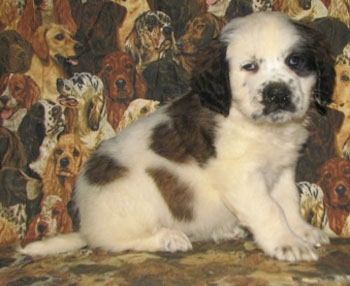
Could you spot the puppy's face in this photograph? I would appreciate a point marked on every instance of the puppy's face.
(272, 65)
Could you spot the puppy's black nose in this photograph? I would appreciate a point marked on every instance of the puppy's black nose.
(277, 96)
(340, 190)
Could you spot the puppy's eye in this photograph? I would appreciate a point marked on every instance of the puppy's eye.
(109, 68)
(59, 152)
(295, 61)
(200, 27)
(55, 212)
(252, 67)
(59, 37)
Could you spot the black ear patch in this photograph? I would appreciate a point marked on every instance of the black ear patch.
(323, 61)
(210, 78)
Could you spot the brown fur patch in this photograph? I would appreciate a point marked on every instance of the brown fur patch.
(189, 135)
(176, 194)
(102, 169)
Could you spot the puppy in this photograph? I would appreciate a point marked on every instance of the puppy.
(19, 93)
(335, 183)
(82, 95)
(192, 171)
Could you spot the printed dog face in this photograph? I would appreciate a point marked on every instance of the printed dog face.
(84, 92)
(335, 182)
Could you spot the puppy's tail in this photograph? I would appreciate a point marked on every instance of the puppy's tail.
(54, 245)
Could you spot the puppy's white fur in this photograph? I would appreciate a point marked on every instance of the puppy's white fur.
(248, 181)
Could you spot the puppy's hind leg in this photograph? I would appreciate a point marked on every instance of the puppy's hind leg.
(164, 239)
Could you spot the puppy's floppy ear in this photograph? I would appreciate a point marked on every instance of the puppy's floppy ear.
(210, 78)
(323, 61)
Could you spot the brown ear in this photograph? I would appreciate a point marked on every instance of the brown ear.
(133, 45)
(33, 92)
(30, 235)
(63, 15)
(66, 221)
(141, 86)
(39, 43)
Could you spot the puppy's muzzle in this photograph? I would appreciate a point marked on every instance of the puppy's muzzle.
(276, 96)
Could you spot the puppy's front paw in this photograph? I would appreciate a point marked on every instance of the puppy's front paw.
(312, 235)
(173, 240)
(290, 249)
(295, 252)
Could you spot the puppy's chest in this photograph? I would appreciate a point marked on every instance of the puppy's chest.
(268, 147)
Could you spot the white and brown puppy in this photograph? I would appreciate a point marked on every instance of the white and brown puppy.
(216, 160)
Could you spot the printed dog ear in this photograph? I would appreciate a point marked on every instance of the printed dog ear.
(210, 78)
(96, 107)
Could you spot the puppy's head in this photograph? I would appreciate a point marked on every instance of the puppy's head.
(276, 68)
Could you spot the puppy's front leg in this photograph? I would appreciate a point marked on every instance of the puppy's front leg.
(286, 195)
(252, 203)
